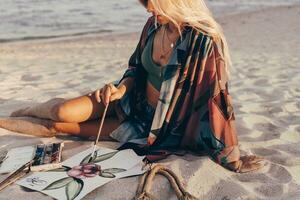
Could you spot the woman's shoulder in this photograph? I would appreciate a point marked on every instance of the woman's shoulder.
(149, 23)
(199, 40)
(211, 44)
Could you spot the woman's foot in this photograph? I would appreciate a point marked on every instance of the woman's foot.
(21, 112)
(45, 110)
(29, 125)
(246, 164)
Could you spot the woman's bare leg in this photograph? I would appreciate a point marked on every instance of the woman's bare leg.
(29, 125)
(60, 115)
(89, 128)
(75, 110)
(41, 110)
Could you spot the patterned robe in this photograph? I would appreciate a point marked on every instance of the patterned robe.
(194, 109)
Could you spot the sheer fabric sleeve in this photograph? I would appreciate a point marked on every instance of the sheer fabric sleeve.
(220, 111)
(211, 125)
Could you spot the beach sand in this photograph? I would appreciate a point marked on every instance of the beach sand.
(264, 84)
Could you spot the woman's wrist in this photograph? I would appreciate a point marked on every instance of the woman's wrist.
(125, 85)
(122, 89)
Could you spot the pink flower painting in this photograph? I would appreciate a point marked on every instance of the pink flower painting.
(84, 171)
(74, 183)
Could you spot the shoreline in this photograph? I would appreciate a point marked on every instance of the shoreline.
(113, 35)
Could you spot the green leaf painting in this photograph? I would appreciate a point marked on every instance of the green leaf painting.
(61, 169)
(74, 188)
(114, 170)
(97, 158)
(74, 184)
(59, 183)
(87, 158)
(107, 175)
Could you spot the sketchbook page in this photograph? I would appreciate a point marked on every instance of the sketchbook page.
(77, 178)
(136, 170)
(17, 157)
(127, 158)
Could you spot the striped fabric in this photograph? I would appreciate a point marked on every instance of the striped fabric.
(194, 104)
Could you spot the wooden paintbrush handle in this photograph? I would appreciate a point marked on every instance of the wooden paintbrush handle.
(19, 173)
(99, 132)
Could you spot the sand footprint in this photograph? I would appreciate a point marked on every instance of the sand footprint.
(279, 174)
(30, 78)
(279, 156)
(272, 181)
(280, 184)
(225, 190)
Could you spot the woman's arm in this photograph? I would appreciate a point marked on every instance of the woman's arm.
(125, 85)
(111, 92)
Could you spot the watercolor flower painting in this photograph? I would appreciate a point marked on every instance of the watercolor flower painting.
(79, 175)
(74, 183)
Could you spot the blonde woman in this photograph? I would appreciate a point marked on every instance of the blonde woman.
(173, 95)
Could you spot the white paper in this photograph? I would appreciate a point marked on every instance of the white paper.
(61, 184)
(17, 157)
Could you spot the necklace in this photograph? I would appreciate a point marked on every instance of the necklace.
(172, 43)
(164, 53)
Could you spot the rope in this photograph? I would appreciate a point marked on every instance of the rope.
(145, 184)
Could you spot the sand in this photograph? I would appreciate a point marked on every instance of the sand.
(265, 47)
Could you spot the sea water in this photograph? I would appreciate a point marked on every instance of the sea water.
(34, 19)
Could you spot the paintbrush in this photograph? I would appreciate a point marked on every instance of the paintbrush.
(19, 173)
(99, 132)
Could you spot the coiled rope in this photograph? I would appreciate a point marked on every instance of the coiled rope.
(145, 185)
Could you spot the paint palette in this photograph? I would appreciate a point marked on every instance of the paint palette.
(46, 156)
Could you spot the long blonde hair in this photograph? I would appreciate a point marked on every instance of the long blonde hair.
(195, 14)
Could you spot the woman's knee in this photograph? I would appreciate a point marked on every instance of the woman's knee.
(79, 110)
(62, 113)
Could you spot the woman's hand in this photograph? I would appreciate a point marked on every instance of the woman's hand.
(108, 93)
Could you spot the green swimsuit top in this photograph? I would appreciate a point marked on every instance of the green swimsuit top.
(155, 71)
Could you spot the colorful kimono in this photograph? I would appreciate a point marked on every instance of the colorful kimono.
(194, 109)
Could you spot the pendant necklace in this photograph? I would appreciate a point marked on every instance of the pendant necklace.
(163, 55)
(172, 43)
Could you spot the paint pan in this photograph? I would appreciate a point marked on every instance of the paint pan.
(56, 152)
(48, 154)
(39, 154)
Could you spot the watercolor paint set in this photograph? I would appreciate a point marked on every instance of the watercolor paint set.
(47, 156)
(48, 153)
(44, 157)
